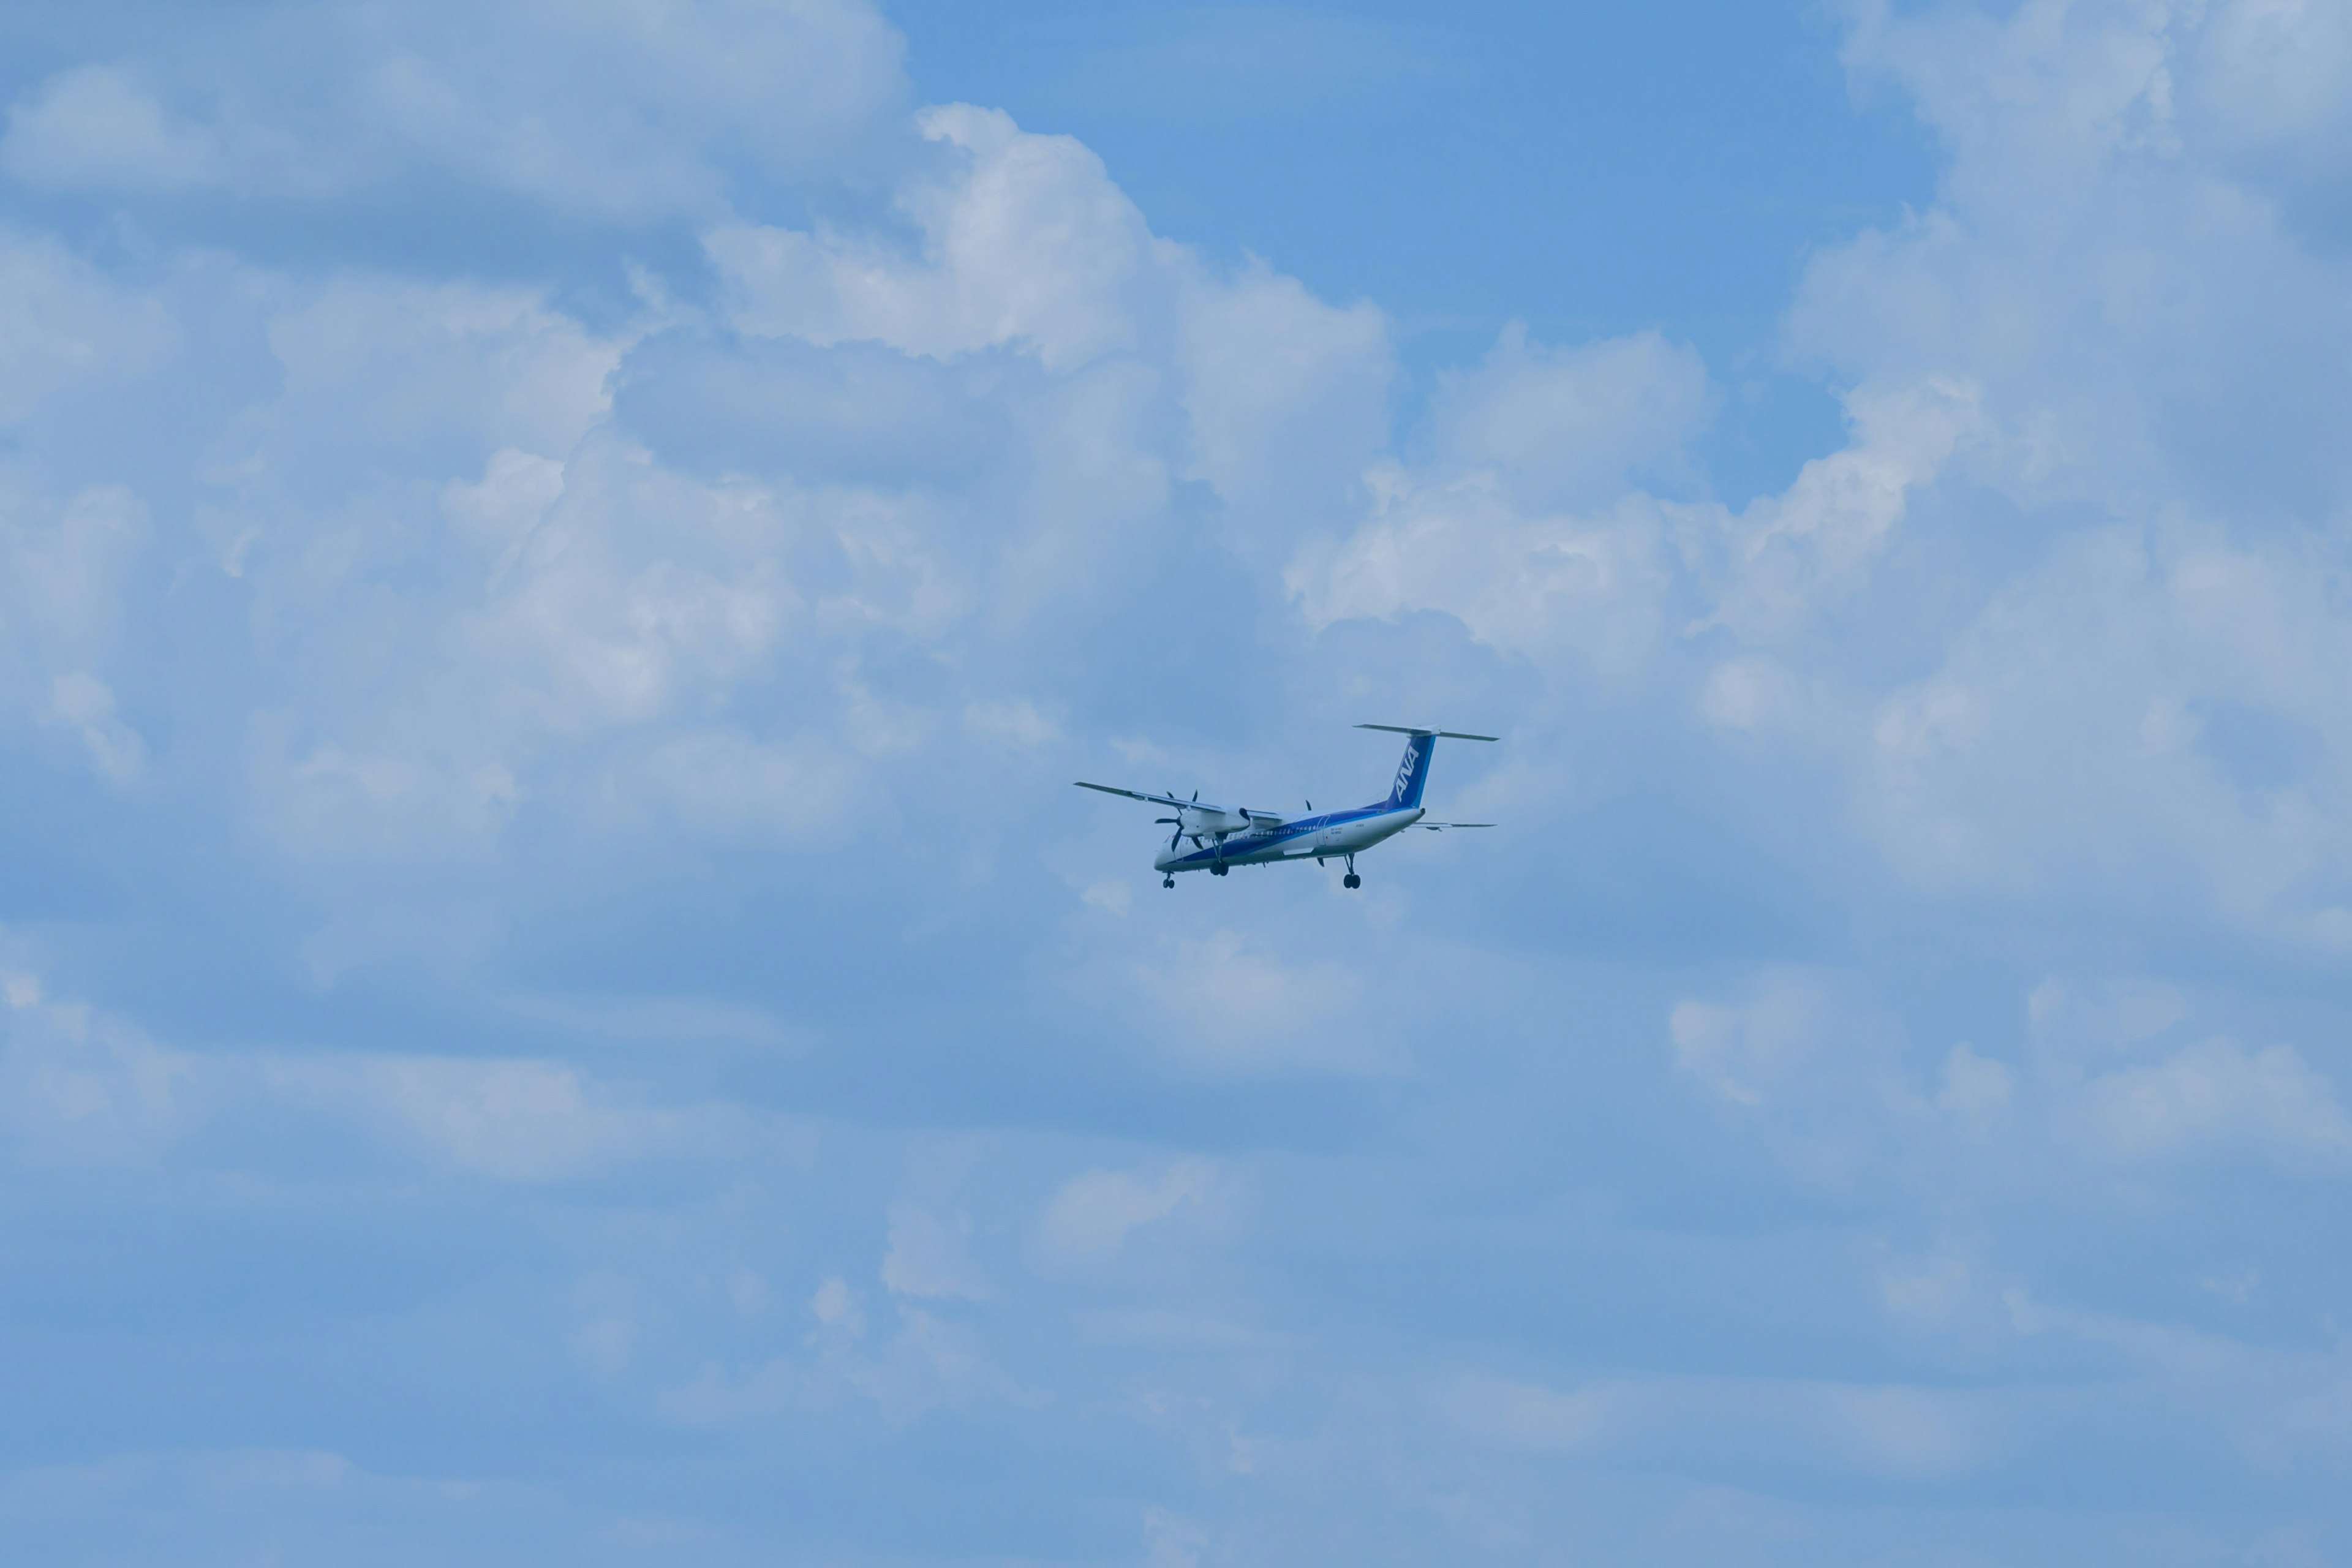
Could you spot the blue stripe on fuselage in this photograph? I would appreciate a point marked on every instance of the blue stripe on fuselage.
(1249, 849)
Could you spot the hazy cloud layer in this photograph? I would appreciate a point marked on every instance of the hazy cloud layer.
(560, 1007)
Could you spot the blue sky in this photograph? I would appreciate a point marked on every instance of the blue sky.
(556, 564)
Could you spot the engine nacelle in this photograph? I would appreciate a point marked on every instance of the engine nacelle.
(1209, 822)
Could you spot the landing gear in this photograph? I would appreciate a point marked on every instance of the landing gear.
(1352, 879)
(1219, 870)
(1168, 881)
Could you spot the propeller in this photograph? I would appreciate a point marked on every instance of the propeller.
(1177, 822)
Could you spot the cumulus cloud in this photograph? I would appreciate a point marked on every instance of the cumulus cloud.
(1786, 556)
(1558, 587)
(2217, 1098)
(83, 1086)
(2138, 712)
(66, 579)
(98, 125)
(1090, 1219)
(1228, 1005)
(1886, 1429)
(1523, 527)
(85, 702)
(90, 1087)
(1973, 1086)
(509, 1120)
(437, 630)
(64, 325)
(1026, 243)
(610, 111)
(1571, 424)
(1741, 1049)
(929, 1258)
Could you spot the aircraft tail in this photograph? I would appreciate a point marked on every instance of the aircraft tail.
(1412, 773)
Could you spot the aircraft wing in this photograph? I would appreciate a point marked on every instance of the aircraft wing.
(1201, 805)
(1154, 799)
(1442, 826)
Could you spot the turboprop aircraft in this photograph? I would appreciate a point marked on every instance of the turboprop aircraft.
(1226, 837)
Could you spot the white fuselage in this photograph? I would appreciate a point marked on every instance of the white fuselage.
(1332, 833)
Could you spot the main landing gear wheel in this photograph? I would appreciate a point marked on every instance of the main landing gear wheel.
(1219, 870)
(1351, 881)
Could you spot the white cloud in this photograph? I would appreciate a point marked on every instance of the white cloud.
(1026, 244)
(2141, 323)
(1786, 556)
(510, 1119)
(1753, 693)
(80, 1087)
(1570, 427)
(2276, 1405)
(1286, 399)
(85, 702)
(2137, 715)
(1885, 1430)
(2271, 82)
(1930, 1291)
(929, 1258)
(1587, 587)
(2109, 1016)
(1229, 1003)
(62, 572)
(490, 605)
(99, 126)
(1112, 898)
(1973, 1086)
(495, 515)
(1529, 1414)
(86, 1087)
(607, 110)
(64, 325)
(450, 371)
(1090, 1219)
(2216, 1099)
(1026, 241)
(834, 1306)
(728, 787)
(1583, 590)
(637, 584)
(1739, 1051)
(1016, 724)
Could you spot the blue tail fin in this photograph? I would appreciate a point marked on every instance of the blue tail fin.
(1412, 773)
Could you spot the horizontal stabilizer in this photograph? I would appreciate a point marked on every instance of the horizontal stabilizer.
(1445, 734)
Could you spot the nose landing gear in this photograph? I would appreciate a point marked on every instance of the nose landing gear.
(1168, 881)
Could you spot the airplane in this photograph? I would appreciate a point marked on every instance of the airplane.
(1226, 837)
